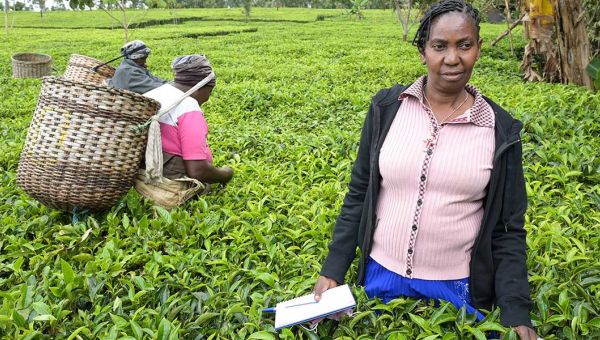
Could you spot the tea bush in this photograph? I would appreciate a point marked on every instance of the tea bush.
(286, 114)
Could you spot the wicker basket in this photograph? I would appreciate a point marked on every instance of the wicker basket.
(81, 151)
(31, 65)
(80, 67)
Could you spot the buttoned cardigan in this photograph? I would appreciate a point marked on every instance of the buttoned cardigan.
(498, 269)
(434, 176)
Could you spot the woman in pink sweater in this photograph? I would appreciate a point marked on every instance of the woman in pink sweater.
(437, 197)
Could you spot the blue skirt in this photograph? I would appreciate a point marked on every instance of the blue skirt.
(387, 285)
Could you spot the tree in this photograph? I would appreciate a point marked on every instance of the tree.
(357, 8)
(247, 4)
(42, 4)
(558, 38)
(6, 16)
(403, 15)
(106, 5)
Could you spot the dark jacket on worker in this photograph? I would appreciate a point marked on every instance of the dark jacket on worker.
(498, 269)
(133, 77)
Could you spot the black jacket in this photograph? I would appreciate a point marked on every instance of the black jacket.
(498, 268)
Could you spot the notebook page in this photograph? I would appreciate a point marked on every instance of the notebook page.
(305, 308)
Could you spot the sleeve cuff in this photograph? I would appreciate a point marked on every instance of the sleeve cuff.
(196, 157)
(515, 314)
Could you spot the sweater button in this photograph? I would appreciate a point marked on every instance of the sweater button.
(429, 152)
(423, 178)
(410, 251)
(408, 272)
(414, 227)
(419, 202)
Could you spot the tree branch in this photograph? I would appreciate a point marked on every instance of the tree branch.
(112, 16)
(505, 33)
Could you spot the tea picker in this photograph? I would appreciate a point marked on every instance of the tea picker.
(133, 74)
(178, 158)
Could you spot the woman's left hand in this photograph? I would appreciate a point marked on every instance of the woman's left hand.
(526, 333)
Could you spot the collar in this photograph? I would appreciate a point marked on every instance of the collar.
(133, 63)
(481, 113)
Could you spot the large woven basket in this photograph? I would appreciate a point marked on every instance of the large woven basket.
(80, 67)
(31, 65)
(81, 149)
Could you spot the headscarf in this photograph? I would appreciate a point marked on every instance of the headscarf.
(191, 69)
(135, 50)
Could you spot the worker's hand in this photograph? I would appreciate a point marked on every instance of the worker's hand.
(323, 283)
(227, 173)
(525, 333)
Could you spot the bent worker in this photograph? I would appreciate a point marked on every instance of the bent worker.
(183, 129)
(132, 74)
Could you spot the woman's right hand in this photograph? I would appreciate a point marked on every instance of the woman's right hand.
(227, 173)
(323, 283)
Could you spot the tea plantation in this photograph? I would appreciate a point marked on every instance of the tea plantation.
(291, 95)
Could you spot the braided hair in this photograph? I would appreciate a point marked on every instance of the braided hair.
(436, 10)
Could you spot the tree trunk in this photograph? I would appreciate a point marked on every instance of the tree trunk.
(558, 39)
(6, 16)
(540, 60)
(573, 43)
(125, 24)
(404, 22)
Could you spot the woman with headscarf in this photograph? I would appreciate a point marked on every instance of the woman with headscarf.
(437, 199)
(132, 74)
(183, 129)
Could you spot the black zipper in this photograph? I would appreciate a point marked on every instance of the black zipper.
(503, 148)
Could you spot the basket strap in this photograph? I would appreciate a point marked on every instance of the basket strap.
(162, 111)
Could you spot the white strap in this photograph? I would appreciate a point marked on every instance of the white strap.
(203, 82)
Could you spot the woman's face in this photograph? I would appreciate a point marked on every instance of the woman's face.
(451, 51)
(202, 94)
(141, 62)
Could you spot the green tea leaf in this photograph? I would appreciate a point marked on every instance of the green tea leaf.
(262, 335)
(44, 317)
(67, 270)
(164, 330)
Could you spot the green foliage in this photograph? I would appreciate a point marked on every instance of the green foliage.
(286, 115)
(81, 4)
(19, 6)
(593, 70)
(357, 8)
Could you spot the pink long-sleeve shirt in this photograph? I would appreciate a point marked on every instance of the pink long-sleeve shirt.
(183, 130)
(434, 179)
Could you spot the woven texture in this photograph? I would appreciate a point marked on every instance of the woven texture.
(31, 65)
(169, 193)
(80, 67)
(81, 149)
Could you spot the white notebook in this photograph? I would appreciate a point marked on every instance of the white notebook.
(304, 308)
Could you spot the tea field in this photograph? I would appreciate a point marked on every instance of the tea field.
(292, 92)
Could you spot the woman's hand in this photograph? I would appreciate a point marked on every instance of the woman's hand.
(323, 283)
(526, 333)
(205, 172)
